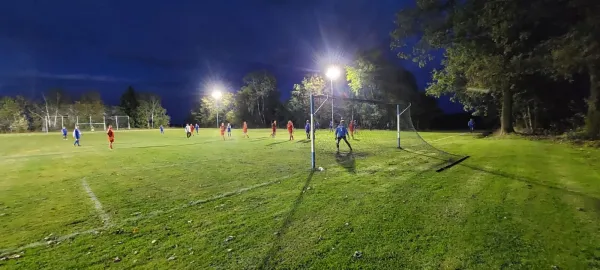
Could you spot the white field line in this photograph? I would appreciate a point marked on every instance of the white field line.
(108, 225)
(203, 201)
(5, 252)
(97, 204)
(448, 137)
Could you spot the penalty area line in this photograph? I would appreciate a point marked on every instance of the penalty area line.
(97, 204)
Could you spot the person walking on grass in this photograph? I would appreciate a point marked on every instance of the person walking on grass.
(351, 128)
(290, 128)
(76, 136)
(245, 130)
(307, 129)
(197, 128)
(471, 125)
(64, 133)
(273, 128)
(222, 130)
(162, 129)
(111, 137)
(188, 131)
(340, 134)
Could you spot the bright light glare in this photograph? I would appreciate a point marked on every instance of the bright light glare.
(216, 94)
(333, 73)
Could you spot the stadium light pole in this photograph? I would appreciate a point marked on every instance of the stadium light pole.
(216, 94)
(333, 73)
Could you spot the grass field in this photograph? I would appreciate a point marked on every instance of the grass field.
(167, 202)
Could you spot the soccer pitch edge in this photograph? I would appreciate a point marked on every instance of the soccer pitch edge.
(106, 219)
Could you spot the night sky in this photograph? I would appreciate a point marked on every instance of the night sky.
(178, 48)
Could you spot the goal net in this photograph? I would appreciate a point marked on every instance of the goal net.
(374, 127)
(91, 123)
(118, 122)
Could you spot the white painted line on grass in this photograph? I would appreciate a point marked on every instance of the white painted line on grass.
(106, 219)
(448, 137)
(203, 201)
(103, 215)
(5, 252)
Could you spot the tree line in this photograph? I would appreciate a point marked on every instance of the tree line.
(371, 76)
(533, 65)
(56, 108)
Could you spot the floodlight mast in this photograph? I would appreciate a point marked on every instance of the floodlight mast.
(333, 73)
(312, 132)
(216, 94)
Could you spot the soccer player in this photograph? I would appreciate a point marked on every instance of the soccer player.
(273, 128)
(223, 130)
(162, 130)
(355, 126)
(351, 128)
(64, 133)
(197, 128)
(245, 130)
(331, 126)
(340, 134)
(188, 131)
(111, 137)
(290, 128)
(307, 129)
(228, 129)
(76, 136)
(471, 125)
(317, 126)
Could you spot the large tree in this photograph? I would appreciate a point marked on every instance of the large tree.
(299, 103)
(577, 50)
(488, 47)
(50, 110)
(150, 111)
(225, 107)
(372, 76)
(259, 97)
(130, 103)
(12, 116)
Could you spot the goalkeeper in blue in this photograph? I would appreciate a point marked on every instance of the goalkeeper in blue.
(340, 134)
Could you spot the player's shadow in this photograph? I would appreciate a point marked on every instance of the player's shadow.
(259, 139)
(276, 143)
(303, 141)
(531, 182)
(286, 223)
(347, 161)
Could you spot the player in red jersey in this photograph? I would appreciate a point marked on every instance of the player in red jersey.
(111, 136)
(290, 128)
(351, 128)
(245, 130)
(223, 130)
(273, 128)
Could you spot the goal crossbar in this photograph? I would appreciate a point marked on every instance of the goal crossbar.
(371, 101)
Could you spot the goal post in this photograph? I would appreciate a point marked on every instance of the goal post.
(118, 121)
(375, 115)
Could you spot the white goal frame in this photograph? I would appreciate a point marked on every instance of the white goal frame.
(313, 111)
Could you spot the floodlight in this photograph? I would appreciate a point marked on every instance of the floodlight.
(216, 94)
(333, 73)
